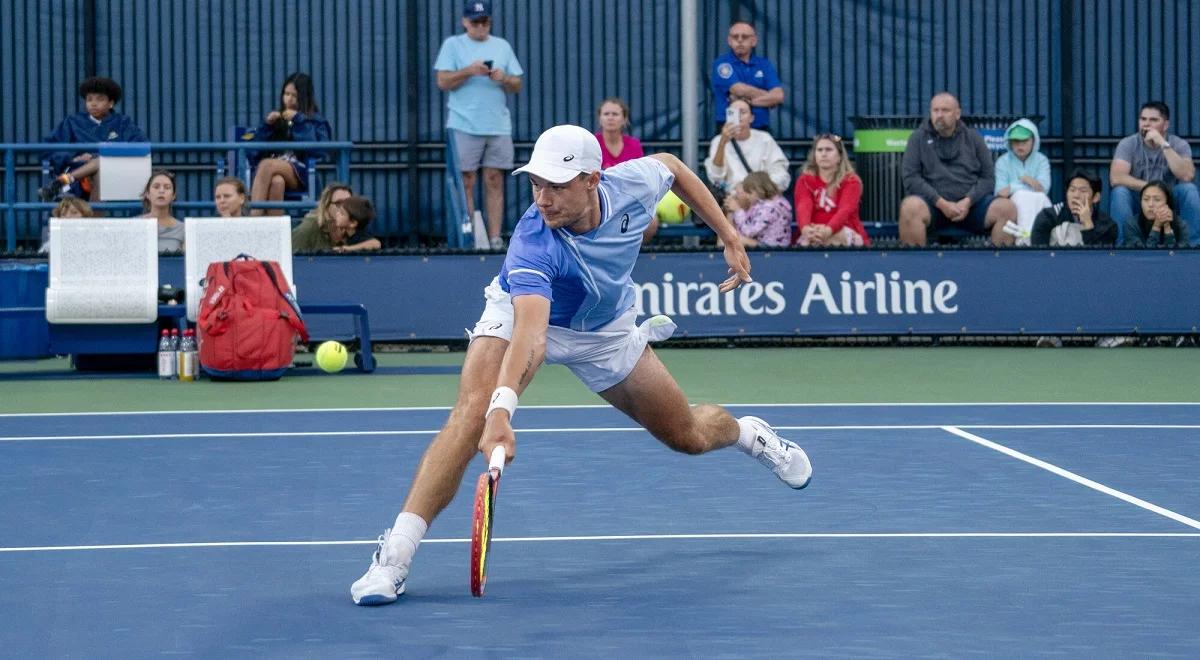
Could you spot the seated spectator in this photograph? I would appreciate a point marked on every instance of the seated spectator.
(341, 221)
(1023, 176)
(157, 201)
(1152, 154)
(1078, 220)
(333, 194)
(297, 119)
(616, 146)
(1157, 225)
(69, 207)
(77, 174)
(949, 179)
(760, 212)
(229, 196)
(827, 196)
(739, 150)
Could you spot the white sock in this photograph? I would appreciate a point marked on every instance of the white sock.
(746, 435)
(406, 535)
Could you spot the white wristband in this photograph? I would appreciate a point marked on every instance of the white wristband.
(503, 398)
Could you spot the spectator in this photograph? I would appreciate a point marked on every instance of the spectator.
(760, 212)
(949, 179)
(827, 195)
(1078, 220)
(77, 174)
(1023, 176)
(69, 207)
(615, 145)
(229, 196)
(1152, 154)
(297, 119)
(342, 220)
(478, 69)
(157, 201)
(742, 75)
(1156, 224)
(332, 194)
(739, 150)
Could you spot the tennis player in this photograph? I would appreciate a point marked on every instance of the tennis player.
(564, 295)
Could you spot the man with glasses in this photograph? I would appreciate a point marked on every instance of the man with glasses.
(478, 70)
(741, 75)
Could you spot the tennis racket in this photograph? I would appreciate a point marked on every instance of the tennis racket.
(481, 525)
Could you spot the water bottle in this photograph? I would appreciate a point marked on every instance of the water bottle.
(187, 357)
(166, 357)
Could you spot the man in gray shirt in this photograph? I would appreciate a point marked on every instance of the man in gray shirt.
(949, 178)
(1152, 154)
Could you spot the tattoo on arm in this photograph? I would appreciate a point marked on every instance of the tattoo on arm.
(527, 373)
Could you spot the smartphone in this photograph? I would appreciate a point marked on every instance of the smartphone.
(732, 116)
(488, 64)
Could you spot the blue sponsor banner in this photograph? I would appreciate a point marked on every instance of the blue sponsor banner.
(794, 293)
(805, 292)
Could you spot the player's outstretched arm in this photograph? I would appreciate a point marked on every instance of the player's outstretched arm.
(531, 317)
(693, 192)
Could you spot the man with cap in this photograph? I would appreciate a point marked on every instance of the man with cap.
(564, 295)
(478, 70)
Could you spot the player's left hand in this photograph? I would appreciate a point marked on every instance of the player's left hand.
(739, 266)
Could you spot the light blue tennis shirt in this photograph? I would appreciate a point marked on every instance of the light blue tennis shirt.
(586, 277)
(478, 106)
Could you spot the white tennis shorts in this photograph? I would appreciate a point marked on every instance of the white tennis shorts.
(600, 359)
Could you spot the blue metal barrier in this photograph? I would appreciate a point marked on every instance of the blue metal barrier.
(10, 206)
(459, 230)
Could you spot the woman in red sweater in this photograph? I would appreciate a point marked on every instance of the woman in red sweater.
(827, 196)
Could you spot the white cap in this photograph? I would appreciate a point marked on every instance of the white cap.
(563, 153)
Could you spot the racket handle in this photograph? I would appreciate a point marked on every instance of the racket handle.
(497, 462)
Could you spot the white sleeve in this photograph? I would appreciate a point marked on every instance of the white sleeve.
(776, 165)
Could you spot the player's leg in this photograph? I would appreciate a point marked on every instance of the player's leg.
(652, 397)
(445, 461)
(438, 476)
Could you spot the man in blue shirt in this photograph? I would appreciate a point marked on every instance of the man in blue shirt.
(564, 295)
(478, 70)
(740, 74)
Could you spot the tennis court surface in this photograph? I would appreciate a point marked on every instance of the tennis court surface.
(1003, 530)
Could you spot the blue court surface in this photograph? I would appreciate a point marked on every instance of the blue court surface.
(928, 530)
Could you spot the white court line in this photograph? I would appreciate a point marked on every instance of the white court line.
(1067, 474)
(582, 406)
(625, 537)
(576, 429)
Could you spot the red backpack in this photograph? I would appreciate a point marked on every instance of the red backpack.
(248, 320)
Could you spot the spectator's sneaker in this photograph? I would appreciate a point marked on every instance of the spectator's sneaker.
(383, 582)
(1049, 342)
(54, 190)
(784, 457)
(1115, 342)
(496, 242)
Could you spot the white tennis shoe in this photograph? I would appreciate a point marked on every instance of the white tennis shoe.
(783, 457)
(383, 582)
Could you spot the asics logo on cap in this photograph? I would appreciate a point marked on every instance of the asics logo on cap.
(567, 159)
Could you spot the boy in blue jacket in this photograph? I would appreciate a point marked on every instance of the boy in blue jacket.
(75, 173)
(1023, 176)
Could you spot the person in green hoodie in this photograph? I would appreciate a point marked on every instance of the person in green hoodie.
(1023, 176)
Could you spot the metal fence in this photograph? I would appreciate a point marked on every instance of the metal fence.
(192, 69)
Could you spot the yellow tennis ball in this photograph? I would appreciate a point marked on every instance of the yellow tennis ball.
(331, 357)
(671, 210)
